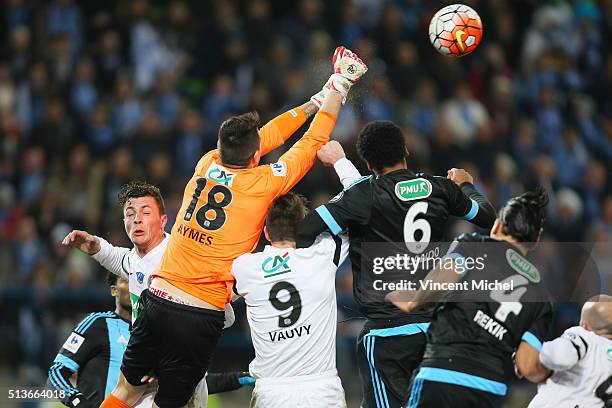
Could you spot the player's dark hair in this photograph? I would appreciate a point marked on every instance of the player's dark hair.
(283, 216)
(381, 143)
(136, 189)
(239, 139)
(111, 279)
(523, 216)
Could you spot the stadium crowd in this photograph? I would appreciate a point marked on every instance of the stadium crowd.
(96, 93)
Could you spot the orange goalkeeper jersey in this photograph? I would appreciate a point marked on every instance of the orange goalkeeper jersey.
(224, 209)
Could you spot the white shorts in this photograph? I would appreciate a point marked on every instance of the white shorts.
(146, 401)
(308, 391)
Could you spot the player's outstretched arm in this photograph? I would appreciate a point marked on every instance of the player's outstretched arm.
(410, 300)
(480, 211)
(300, 157)
(276, 132)
(107, 255)
(332, 154)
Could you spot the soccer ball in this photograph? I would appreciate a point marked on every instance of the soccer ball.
(455, 30)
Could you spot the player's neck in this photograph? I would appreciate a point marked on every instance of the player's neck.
(387, 170)
(510, 239)
(123, 313)
(284, 244)
(142, 250)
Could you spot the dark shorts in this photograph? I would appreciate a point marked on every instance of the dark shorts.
(174, 341)
(432, 394)
(386, 363)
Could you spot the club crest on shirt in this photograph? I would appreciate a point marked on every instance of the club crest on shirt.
(140, 277)
(276, 265)
(220, 174)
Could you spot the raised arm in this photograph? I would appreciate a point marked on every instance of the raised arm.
(296, 162)
(470, 204)
(332, 154)
(301, 156)
(107, 255)
(276, 132)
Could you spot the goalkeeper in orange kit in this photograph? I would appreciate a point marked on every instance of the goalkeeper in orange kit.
(180, 317)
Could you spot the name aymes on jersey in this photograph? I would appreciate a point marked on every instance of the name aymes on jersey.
(489, 324)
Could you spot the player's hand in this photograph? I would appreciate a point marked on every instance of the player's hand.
(348, 69)
(348, 64)
(330, 153)
(83, 241)
(398, 299)
(459, 176)
(230, 316)
(149, 378)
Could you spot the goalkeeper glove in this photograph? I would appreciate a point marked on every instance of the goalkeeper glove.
(348, 69)
(77, 400)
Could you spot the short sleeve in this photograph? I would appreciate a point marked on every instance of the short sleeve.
(537, 332)
(83, 343)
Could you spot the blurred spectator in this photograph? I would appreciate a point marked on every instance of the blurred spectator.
(99, 130)
(55, 133)
(594, 186)
(32, 175)
(219, 102)
(128, 111)
(64, 17)
(189, 145)
(29, 250)
(571, 158)
(466, 114)
(83, 95)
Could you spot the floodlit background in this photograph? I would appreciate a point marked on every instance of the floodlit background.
(96, 93)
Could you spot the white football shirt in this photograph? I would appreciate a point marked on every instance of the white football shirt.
(128, 264)
(582, 362)
(291, 306)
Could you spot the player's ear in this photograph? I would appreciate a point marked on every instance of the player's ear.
(164, 221)
(497, 226)
(256, 157)
(368, 165)
(266, 234)
(114, 291)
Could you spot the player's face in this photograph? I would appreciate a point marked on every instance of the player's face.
(143, 222)
(122, 293)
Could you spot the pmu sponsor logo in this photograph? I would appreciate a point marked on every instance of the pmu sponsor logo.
(522, 266)
(415, 189)
(609, 354)
(220, 174)
(276, 265)
(289, 334)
